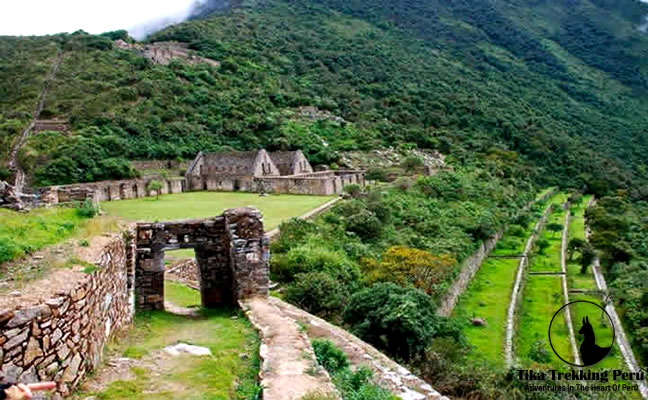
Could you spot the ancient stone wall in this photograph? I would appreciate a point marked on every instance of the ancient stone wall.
(63, 338)
(231, 254)
(107, 190)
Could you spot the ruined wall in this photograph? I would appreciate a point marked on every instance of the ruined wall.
(63, 338)
(107, 190)
(232, 257)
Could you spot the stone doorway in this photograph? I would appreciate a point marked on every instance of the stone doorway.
(231, 253)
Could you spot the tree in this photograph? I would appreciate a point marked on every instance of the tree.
(575, 245)
(155, 186)
(587, 257)
(542, 245)
(409, 267)
(554, 227)
(317, 292)
(411, 163)
(353, 189)
(401, 321)
(376, 174)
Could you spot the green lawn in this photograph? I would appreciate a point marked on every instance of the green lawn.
(275, 208)
(576, 280)
(488, 297)
(542, 297)
(224, 375)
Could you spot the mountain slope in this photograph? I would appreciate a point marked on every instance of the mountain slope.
(550, 90)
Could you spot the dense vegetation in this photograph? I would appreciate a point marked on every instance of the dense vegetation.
(547, 85)
(620, 232)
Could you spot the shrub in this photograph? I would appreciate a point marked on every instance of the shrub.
(542, 245)
(317, 293)
(154, 186)
(411, 163)
(364, 224)
(399, 320)
(403, 184)
(409, 267)
(312, 258)
(376, 174)
(353, 189)
(539, 352)
(87, 209)
(329, 356)
(293, 233)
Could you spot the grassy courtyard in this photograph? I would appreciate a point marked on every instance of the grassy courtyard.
(275, 208)
(227, 374)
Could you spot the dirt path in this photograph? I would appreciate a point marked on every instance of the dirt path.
(387, 373)
(563, 264)
(621, 338)
(14, 167)
(289, 369)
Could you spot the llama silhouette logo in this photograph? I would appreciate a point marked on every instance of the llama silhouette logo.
(581, 333)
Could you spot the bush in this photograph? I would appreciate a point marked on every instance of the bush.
(317, 292)
(87, 209)
(403, 184)
(376, 174)
(353, 189)
(329, 356)
(411, 163)
(364, 224)
(312, 258)
(293, 233)
(399, 320)
(539, 352)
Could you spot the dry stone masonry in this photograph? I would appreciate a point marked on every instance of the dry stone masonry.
(63, 338)
(231, 254)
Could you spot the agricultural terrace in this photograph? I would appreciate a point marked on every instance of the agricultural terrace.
(543, 295)
(582, 286)
(488, 295)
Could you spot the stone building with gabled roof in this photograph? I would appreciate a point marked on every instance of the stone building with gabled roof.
(291, 162)
(260, 171)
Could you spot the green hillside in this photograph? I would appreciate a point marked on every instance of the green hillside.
(545, 89)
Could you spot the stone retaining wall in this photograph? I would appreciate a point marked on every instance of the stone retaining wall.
(468, 269)
(63, 338)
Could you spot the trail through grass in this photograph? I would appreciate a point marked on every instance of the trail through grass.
(224, 375)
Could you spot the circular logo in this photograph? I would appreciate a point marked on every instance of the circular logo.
(593, 332)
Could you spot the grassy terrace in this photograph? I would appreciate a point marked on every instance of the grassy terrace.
(225, 375)
(489, 293)
(542, 297)
(586, 281)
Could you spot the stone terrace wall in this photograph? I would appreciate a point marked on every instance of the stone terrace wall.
(63, 338)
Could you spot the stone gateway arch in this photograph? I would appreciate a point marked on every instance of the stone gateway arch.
(231, 252)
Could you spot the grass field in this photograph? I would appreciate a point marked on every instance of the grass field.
(224, 375)
(22, 233)
(542, 297)
(488, 297)
(275, 208)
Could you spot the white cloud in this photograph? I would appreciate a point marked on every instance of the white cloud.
(40, 17)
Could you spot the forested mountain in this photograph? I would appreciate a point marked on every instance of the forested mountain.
(553, 90)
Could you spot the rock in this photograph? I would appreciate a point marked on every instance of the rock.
(15, 293)
(10, 372)
(244, 356)
(73, 369)
(33, 351)
(188, 349)
(21, 317)
(16, 340)
(478, 322)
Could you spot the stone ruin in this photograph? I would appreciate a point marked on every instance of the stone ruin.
(231, 252)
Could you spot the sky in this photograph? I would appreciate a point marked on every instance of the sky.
(41, 17)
